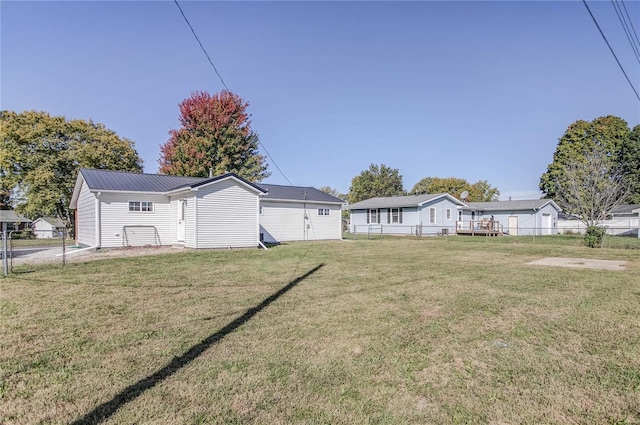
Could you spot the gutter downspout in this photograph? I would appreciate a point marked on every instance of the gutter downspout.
(98, 222)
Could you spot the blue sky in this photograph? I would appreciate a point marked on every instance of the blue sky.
(478, 90)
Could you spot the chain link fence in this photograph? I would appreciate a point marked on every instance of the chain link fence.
(22, 251)
(616, 237)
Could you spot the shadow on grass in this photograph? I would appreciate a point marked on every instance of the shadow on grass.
(107, 409)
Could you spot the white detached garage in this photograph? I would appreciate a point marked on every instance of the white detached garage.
(116, 209)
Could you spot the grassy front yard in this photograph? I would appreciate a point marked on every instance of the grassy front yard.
(391, 331)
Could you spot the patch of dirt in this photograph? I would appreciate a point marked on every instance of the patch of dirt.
(580, 263)
(121, 252)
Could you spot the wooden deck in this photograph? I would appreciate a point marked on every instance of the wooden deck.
(484, 227)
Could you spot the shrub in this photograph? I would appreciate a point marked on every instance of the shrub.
(594, 236)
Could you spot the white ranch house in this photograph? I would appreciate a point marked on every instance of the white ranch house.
(406, 215)
(117, 209)
(443, 214)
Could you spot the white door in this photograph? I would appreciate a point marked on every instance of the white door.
(546, 224)
(182, 205)
(513, 225)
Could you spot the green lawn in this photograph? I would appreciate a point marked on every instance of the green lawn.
(391, 331)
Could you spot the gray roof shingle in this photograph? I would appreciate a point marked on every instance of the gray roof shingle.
(298, 193)
(395, 201)
(10, 216)
(625, 209)
(527, 204)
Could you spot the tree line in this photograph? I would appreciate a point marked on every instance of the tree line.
(595, 167)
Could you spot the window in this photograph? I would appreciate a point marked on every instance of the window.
(373, 216)
(473, 215)
(140, 206)
(260, 210)
(448, 213)
(394, 215)
(460, 215)
(432, 215)
(323, 211)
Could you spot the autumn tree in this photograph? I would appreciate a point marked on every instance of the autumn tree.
(376, 181)
(40, 156)
(215, 134)
(609, 136)
(481, 191)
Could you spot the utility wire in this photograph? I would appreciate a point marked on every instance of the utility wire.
(225, 86)
(201, 46)
(625, 27)
(612, 52)
(630, 21)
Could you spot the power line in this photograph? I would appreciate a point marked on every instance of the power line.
(201, 46)
(630, 21)
(225, 86)
(626, 29)
(609, 45)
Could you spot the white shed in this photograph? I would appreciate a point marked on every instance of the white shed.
(48, 227)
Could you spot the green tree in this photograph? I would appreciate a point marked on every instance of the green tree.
(40, 156)
(332, 191)
(215, 135)
(481, 191)
(374, 182)
(608, 135)
(630, 159)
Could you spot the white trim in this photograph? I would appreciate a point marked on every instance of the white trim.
(302, 200)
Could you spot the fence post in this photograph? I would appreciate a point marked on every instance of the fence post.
(64, 247)
(5, 261)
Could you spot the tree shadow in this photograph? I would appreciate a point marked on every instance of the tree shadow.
(107, 409)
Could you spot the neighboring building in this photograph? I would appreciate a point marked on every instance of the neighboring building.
(115, 209)
(622, 221)
(406, 215)
(14, 222)
(523, 217)
(294, 213)
(48, 227)
(443, 214)
(637, 211)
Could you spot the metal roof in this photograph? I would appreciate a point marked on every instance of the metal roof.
(298, 193)
(395, 201)
(140, 182)
(10, 216)
(54, 221)
(527, 204)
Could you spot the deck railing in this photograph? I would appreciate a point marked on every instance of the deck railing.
(481, 226)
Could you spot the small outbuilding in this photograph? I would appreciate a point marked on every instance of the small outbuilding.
(48, 227)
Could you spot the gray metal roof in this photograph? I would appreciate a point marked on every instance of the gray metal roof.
(625, 209)
(527, 204)
(10, 216)
(395, 201)
(54, 221)
(140, 182)
(298, 193)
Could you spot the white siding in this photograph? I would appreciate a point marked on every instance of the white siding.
(42, 229)
(190, 225)
(226, 216)
(285, 221)
(140, 228)
(86, 217)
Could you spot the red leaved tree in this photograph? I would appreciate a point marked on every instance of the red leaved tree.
(215, 134)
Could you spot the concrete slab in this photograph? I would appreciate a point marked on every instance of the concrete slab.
(580, 263)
